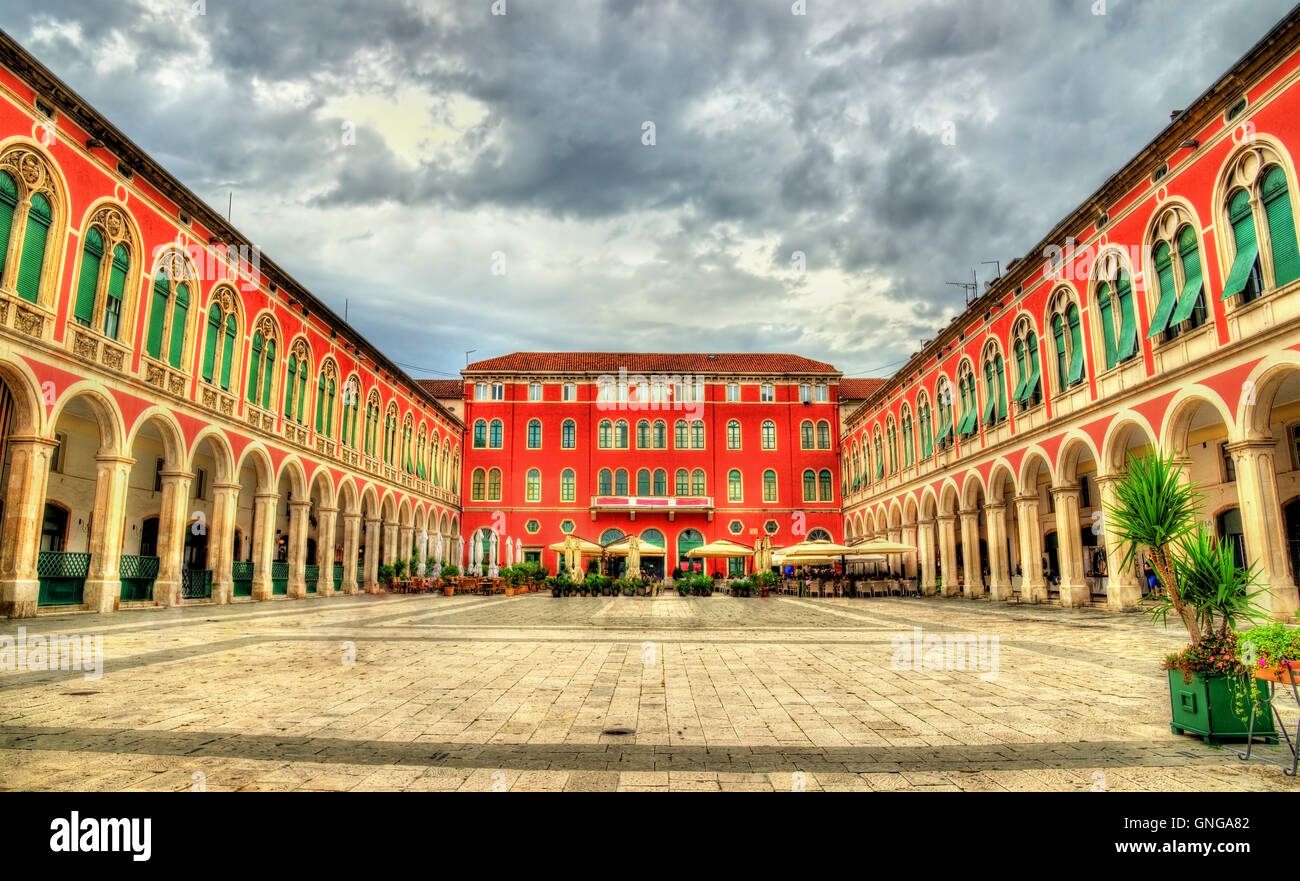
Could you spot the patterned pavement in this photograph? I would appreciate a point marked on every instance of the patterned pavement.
(500, 694)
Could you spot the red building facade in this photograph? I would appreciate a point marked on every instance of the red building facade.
(679, 449)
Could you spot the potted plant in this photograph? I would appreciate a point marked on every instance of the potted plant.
(386, 574)
(557, 584)
(1155, 512)
(399, 569)
(765, 581)
(1272, 652)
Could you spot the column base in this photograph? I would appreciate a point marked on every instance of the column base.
(18, 598)
(262, 590)
(349, 588)
(973, 590)
(101, 595)
(325, 588)
(1282, 601)
(167, 593)
(222, 592)
(999, 593)
(1075, 595)
(1034, 593)
(950, 590)
(298, 590)
(1123, 596)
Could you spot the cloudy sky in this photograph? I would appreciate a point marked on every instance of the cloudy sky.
(476, 181)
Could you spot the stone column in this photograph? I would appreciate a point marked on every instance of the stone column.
(1123, 588)
(909, 560)
(264, 505)
(405, 538)
(351, 547)
(1034, 587)
(970, 554)
(927, 556)
(299, 513)
(370, 580)
(948, 554)
(325, 520)
(1069, 546)
(173, 526)
(1264, 525)
(221, 539)
(423, 553)
(104, 580)
(999, 565)
(24, 514)
(390, 542)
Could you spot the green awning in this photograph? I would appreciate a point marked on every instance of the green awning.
(1160, 319)
(967, 424)
(989, 409)
(1241, 268)
(1187, 301)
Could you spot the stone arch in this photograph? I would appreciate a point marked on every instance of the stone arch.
(112, 431)
(1183, 409)
(27, 410)
(1254, 410)
(222, 453)
(1035, 457)
(292, 468)
(1000, 475)
(255, 454)
(1073, 450)
(349, 501)
(1115, 445)
(949, 496)
(176, 454)
(929, 503)
(971, 490)
(895, 517)
(321, 483)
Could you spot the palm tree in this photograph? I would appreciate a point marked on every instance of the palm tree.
(1155, 511)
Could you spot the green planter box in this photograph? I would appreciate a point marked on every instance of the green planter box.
(1204, 707)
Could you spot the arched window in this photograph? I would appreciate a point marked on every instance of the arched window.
(878, 451)
(480, 434)
(169, 308)
(326, 386)
(1281, 226)
(697, 434)
(968, 418)
(943, 398)
(567, 483)
(476, 485)
(220, 333)
(1176, 282)
(1067, 339)
(769, 434)
(891, 444)
(605, 482)
(681, 438)
(27, 214)
(408, 430)
(823, 435)
(1258, 172)
(421, 442)
(810, 485)
(1029, 379)
(605, 435)
(909, 439)
(495, 440)
(295, 395)
(101, 283)
(683, 482)
(351, 403)
(1115, 310)
(733, 434)
(643, 482)
(925, 423)
(534, 434)
(698, 485)
(806, 439)
(995, 385)
(769, 485)
(494, 485)
(824, 487)
(533, 486)
(620, 434)
(568, 434)
(661, 482)
(372, 422)
(661, 435)
(390, 434)
(735, 487)
(643, 435)
(620, 482)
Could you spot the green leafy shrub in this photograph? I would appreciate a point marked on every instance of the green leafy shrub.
(1270, 646)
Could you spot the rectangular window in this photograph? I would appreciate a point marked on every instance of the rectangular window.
(733, 392)
(60, 450)
(200, 482)
(570, 392)
(823, 394)
(498, 392)
(805, 393)
(535, 391)
(1229, 467)
(767, 394)
(157, 475)
(481, 391)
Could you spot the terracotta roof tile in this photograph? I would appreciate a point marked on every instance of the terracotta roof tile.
(651, 362)
(859, 389)
(443, 388)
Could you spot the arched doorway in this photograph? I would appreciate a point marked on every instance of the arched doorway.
(652, 566)
(687, 541)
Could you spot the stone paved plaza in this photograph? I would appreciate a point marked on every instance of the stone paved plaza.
(476, 693)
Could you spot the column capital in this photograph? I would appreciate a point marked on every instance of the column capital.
(299, 503)
(349, 516)
(173, 474)
(1064, 490)
(33, 439)
(969, 512)
(326, 510)
(263, 495)
(1026, 499)
(114, 459)
(227, 486)
(1254, 444)
(946, 518)
(995, 506)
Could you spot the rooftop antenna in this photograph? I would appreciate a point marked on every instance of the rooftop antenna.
(230, 204)
(970, 287)
(469, 352)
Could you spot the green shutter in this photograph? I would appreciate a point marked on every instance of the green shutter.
(116, 291)
(1126, 345)
(228, 351)
(1243, 229)
(1000, 366)
(320, 403)
(1164, 266)
(302, 393)
(1281, 227)
(180, 309)
(1076, 344)
(1035, 372)
(39, 218)
(289, 385)
(157, 315)
(254, 366)
(91, 257)
(1106, 308)
(210, 343)
(8, 205)
(1023, 382)
(268, 374)
(329, 408)
(1193, 282)
(990, 398)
